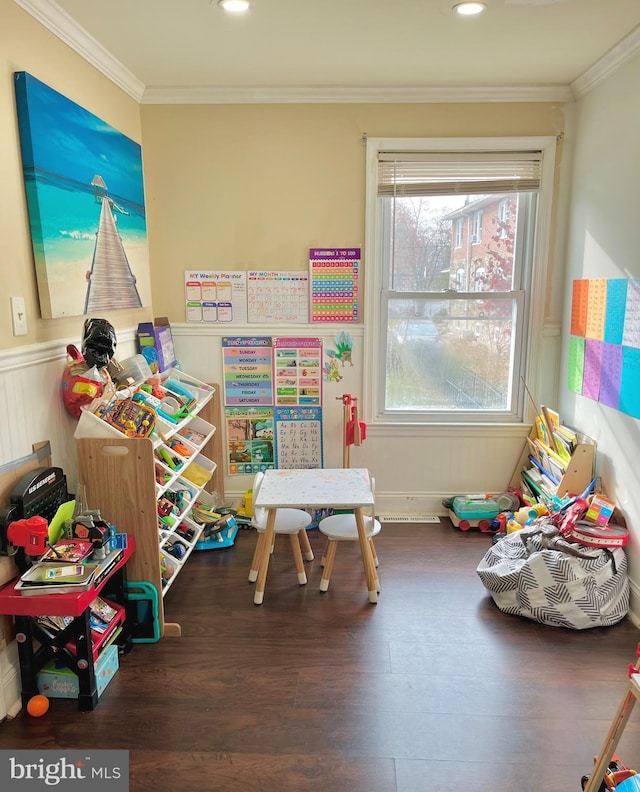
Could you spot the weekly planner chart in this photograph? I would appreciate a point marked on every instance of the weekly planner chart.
(214, 297)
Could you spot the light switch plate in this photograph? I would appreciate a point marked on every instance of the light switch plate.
(19, 316)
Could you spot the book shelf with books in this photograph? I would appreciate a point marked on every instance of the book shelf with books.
(556, 461)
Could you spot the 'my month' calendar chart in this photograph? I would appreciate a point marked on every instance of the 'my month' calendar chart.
(335, 284)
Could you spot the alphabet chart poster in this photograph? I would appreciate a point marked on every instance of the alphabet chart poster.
(297, 371)
(250, 439)
(604, 346)
(278, 296)
(215, 296)
(335, 284)
(248, 369)
(298, 437)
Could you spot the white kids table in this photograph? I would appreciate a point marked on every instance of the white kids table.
(333, 488)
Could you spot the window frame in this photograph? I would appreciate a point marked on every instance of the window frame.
(528, 348)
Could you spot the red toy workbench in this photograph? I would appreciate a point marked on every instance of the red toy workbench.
(75, 644)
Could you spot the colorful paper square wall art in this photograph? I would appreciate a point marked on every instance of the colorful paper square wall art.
(85, 199)
(604, 346)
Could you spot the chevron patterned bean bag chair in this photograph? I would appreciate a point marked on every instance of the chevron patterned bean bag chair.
(537, 574)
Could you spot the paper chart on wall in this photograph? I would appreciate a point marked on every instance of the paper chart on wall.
(298, 437)
(278, 296)
(215, 297)
(250, 439)
(335, 284)
(604, 345)
(248, 371)
(297, 371)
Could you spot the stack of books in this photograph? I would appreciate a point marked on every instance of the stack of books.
(550, 451)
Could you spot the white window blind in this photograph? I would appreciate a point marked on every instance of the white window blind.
(474, 173)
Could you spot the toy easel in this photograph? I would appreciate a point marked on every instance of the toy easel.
(617, 727)
(353, 429)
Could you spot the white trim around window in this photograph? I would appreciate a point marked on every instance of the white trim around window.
(375, 332)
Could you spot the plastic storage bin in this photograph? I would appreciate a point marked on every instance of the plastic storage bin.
(55, 680)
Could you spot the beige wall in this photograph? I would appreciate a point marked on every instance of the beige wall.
(25, 45)
(255, 186)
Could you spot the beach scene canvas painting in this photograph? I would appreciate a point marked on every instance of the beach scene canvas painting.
(85, 199)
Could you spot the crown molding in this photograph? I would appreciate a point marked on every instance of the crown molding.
(345, 94)
(58, 22)
(67, 30)
(618, 55)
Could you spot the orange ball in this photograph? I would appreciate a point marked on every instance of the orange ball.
(37, 706)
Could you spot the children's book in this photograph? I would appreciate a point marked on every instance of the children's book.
(102, 610)
(68, 551)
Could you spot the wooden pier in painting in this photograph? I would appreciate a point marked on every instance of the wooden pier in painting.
(110, 283)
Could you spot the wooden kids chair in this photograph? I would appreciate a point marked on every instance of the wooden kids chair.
(343, 528)
(292, 522)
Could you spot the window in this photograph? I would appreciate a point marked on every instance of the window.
(452, 326)
(503, 219)
(476, 234)
(459, 227)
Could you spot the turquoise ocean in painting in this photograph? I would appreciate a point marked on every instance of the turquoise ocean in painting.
(63, 148)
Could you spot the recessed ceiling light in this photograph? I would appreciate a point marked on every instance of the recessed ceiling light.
(234, 6)
(469, 9)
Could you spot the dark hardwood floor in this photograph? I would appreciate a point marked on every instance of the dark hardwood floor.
(431, 689)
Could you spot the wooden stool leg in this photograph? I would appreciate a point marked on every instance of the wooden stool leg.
(373, 553)
(255, 563)
(373, 584)
(258, 596)
(306, 544)
(297, 557)
(329, 558)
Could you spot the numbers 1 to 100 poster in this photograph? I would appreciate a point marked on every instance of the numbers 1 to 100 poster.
(335, 284)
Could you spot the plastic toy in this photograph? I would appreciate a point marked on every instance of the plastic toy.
(609, 772)
(37, 706)
(617, 772)
(354, 430)
(473, 511)
(131, 418)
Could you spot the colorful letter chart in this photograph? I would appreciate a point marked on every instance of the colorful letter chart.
(278, 296)
(250, 439)
(335, 284)
(298, 437)
(215, 296)
(248, 366)
(604, 347)
(297, 371)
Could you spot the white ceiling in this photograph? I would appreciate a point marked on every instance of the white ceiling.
(393, 50)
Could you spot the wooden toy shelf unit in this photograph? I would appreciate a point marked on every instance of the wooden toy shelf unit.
(130, 481)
